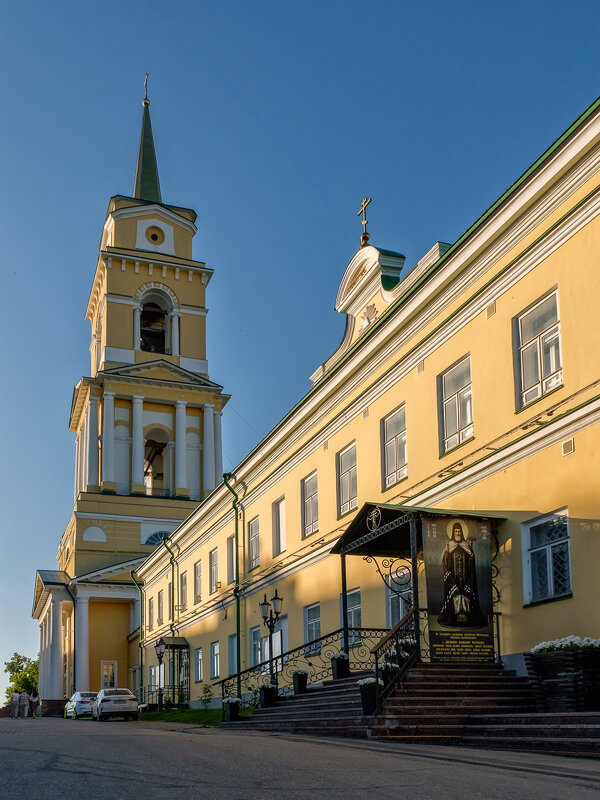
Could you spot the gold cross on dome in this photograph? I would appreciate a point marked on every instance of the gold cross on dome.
(363, 210)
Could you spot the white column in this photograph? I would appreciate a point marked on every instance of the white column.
(175, 334)
(92, 443)
(180, 446)
(136, 328)
(208, 453)
(218, 448)
(137, 455)
(83, 465)
(55, 683)
(42, 671)
(108, 438)
(76, 480)
(82, 645)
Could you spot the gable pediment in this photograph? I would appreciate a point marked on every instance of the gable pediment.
(159, 370)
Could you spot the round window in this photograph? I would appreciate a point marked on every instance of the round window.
(155, 235)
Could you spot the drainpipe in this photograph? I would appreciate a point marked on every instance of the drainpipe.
(141, 642)
(172, 562)
(73, 634)
(236, 589)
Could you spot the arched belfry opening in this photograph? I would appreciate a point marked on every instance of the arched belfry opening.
(157, 467)
(153, 325)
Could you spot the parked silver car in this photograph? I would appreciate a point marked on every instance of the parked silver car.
(79, 705)
(114, 703)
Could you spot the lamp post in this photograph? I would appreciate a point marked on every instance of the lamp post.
(159, 649)
(270, 612)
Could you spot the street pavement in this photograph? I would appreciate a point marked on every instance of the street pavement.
(56, 758)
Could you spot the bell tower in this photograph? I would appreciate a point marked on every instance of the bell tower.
(147, 424)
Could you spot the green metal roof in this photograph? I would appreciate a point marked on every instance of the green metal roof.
(146, 185)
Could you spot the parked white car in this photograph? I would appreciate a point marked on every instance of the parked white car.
(79, 705)
(114, 703)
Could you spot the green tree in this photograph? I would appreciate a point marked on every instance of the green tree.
(23, 673)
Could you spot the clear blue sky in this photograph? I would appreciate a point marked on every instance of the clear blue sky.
(272, 120)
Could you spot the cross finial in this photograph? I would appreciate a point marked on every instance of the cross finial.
(145, 101)
(363, 210)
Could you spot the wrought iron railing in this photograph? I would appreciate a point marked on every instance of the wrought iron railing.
(313, 657)
(395, 654)
(173, 695)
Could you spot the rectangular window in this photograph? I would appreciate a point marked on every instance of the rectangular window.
(197, 581)
(310, 505)
(346, 475)
(150, 613)
(255, 650)
(253, 544)
(230, 559)
(279, 543)
(354, 615)
(160, 607)
(232, 654)
(547, 558)
(213, 566)
(457, 404)
(540, 366)
(393, 430)
(198, 669)
(183, 591)
(170, 599)
(312, 627)
(108, 670)
(215, 666)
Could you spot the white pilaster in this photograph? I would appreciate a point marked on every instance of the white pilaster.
(82, 645)
(108, 438)
(180, 446)
(218, 448)
(136, 328)
(208, 453)
(175, 333)
(92, 443)
(137, 455)
(55, 683)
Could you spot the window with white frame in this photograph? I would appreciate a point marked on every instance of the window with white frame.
(457, 404)
(279, 543)
(310, 505)
(230, 559)
(198, 668)
(215, 665)
(312, 626)
(353, 615)
(393, 429)
(540, 366)
(254, 645)
(197, 581)
(160, 607)
(213, 568)
(397, 606)
(253, 544)
(547, 557)
(150, 613)
(232, 665)
(346, 475)
(183, 591)
(170, 599)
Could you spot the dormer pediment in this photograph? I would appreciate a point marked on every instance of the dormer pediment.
(371, 270)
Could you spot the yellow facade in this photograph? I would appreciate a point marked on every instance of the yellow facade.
(518, 459)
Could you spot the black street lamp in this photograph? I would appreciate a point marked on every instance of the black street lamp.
(270, 612)
(159, 649)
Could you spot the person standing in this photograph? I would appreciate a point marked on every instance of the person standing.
(23, 704)
(14, 704)
(34, 702)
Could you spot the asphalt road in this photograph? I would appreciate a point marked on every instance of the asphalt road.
(56, 758)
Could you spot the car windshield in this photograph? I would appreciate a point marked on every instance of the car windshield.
(88, 694)
(113, 692)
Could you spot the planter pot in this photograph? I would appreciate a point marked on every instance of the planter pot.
(566, 680)
(232, 712)
(300, 683)
(368, 699)
(340, 668)
(266, 697)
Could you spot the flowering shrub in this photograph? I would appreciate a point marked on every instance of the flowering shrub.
(268, 686)
(391, 665)
(299, 672)
(566, 643)
(368, 682)
(232, 699)
(339, 655)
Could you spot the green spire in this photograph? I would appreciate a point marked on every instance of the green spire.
(146, 185)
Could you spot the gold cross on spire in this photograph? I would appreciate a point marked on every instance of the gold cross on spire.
(363, 210)
(145, 101)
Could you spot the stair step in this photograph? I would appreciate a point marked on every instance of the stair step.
(575, 746)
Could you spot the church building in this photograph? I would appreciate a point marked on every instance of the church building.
(442, 464)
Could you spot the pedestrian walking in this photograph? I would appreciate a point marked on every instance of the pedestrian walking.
(23, 704)
(14, 704)
(34, 702)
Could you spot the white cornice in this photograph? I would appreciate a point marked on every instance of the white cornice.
(153, 211)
